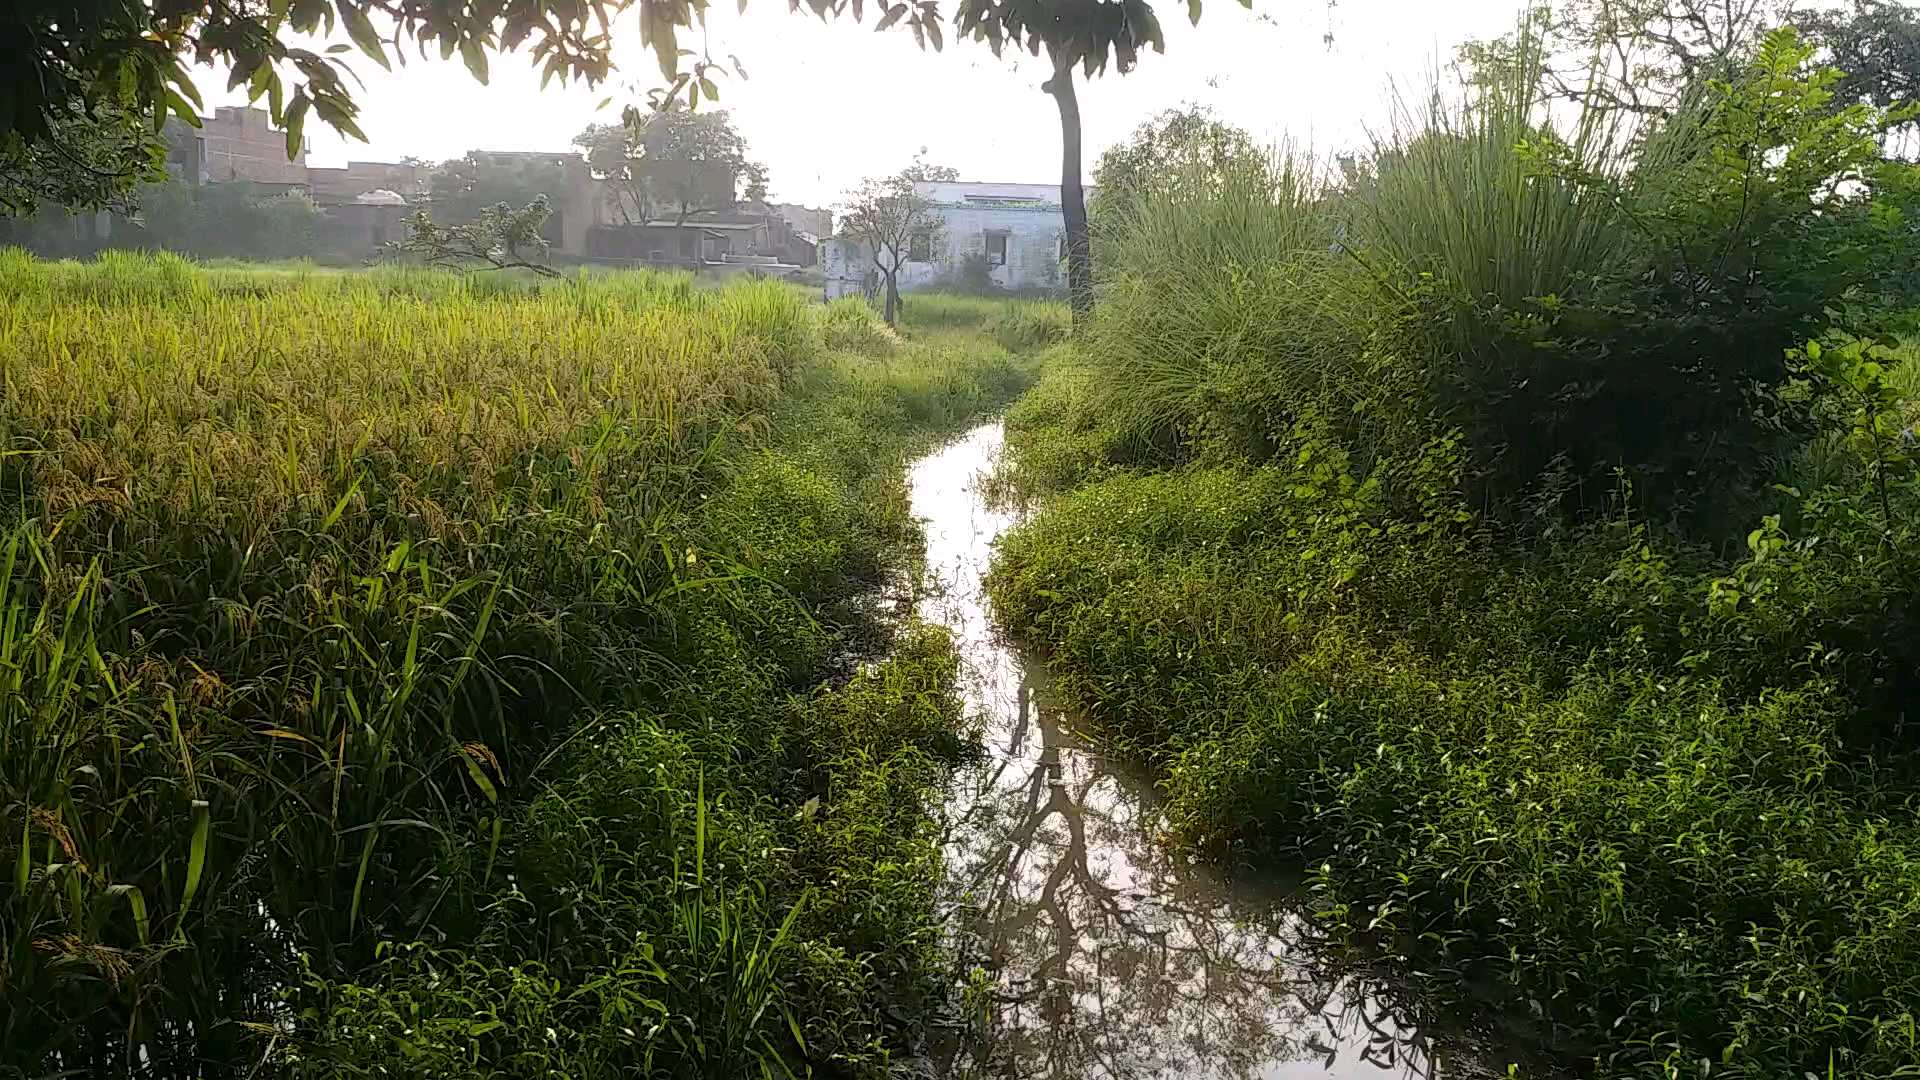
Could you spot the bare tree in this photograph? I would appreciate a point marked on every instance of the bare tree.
(1633, 56)
(885, 216)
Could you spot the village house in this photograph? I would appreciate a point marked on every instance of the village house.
(747, 237)
(1015, 233)
(365, 203)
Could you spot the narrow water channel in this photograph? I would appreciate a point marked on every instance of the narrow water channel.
(1108, 955)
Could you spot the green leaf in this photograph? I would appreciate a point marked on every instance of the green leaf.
(335, 114)
(308, 13)
(183, 86)
(183, 109)
(360, 29)
(793, 1025)
(196, 861)
(475, 58)
(479, 777)
(360, 878)
(138, 902)
(23, 864)
(296, 119)
(341, 506)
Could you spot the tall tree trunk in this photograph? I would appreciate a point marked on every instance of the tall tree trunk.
(1073, 196)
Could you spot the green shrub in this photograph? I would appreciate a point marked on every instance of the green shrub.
(1503, 539)
(1571, 299)
(1016, 322)
(1032, 324)
(1490, 763)
(851, 323)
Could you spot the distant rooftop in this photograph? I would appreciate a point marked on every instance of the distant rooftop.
(990, 194)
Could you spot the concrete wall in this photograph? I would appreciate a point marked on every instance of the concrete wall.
(240, 143)
(847, 268)
(1032, 239)
(805, 219)
(332, 187)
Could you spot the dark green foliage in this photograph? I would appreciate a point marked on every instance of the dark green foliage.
(234, 220)
(87, 161)
(1572, 302)
(107, 56)
(1582, 782)
(1520, 555)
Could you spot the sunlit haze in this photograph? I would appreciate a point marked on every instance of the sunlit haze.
(828, 103)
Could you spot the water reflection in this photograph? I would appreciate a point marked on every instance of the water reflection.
(1113, 957)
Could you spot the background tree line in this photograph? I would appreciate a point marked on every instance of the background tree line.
(672, 164)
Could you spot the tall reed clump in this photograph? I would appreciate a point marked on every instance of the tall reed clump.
(1528, 562)
(420, 673)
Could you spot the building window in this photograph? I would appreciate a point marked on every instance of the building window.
(996, 249)
(920, 247)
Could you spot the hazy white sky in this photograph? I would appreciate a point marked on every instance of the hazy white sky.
(827, 104)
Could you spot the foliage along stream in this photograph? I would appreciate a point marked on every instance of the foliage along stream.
(1108, 955)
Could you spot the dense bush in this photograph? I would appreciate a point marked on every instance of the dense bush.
(1503, 537)
(414, 673)
(1572, 302)
(1584, 780)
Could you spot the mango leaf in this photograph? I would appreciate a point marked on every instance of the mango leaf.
(360, 29)
(296, 120)
(475, 58)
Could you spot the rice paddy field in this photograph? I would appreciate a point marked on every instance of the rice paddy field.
(409, 672)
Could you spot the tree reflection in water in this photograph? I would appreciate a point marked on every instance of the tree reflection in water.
(1113, 957)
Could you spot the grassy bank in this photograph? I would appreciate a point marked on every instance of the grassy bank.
(1465, 537)
(434, 675)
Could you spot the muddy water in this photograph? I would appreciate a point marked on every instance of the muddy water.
(1107, 955)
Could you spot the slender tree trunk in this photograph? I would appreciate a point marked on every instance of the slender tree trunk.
(1073, 196)
(893, 297)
